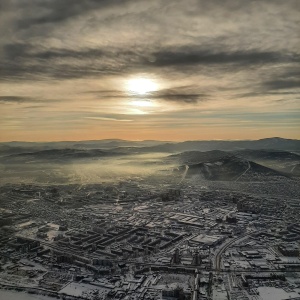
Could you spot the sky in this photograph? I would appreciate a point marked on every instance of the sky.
(137, 70)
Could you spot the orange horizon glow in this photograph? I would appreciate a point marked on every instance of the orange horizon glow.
(150, 135)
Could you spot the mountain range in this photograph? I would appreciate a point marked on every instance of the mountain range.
(275, 143)
(209, 160)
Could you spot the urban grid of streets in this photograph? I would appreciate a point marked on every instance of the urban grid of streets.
(133, 239)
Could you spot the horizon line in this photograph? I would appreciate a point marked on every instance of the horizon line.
(147, 140)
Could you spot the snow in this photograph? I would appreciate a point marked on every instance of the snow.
(25, 224)
(219, 293)
(77, 289)
(12, 295)
(272, 293)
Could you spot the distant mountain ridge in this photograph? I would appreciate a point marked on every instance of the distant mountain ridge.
(158, 146)
(191, 160)
(61, 154)
(270, 143)
(267, 155)
(266, 149)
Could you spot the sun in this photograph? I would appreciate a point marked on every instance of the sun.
(141, 86)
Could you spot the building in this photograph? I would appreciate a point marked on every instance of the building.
(289, 249)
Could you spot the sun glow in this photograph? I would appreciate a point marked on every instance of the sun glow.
(141, 107)
(141, 86)
(142, 103)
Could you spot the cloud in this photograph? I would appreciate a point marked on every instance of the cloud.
(29, 51)
(282, 84)
(190, 56)
(56, 11)
(24, 99)
(15, 99)
(181, 94)
(24, 61)
(204, 54)
(56, 39)
(108, 119)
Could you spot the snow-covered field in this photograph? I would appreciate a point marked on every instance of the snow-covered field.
(12, 295)
(273, 293)
(79, 289)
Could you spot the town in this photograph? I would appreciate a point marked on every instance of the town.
(137, 240)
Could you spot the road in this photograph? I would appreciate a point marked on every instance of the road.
(249, 167)
(226, 246)
(294, 168)
(222, 250)
(184, 174)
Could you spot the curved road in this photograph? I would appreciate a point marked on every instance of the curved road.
(218, 256)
